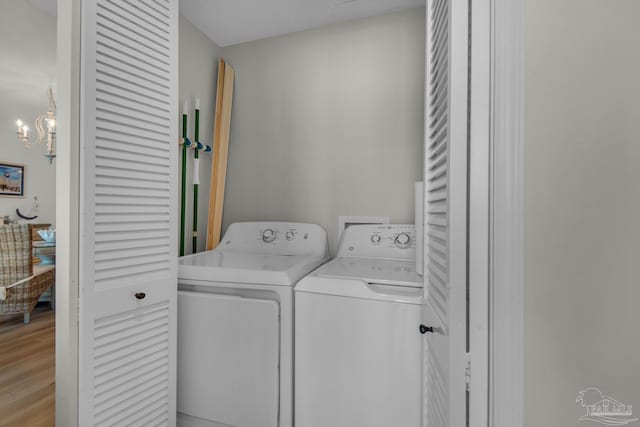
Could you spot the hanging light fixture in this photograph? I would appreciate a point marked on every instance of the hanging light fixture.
(45, 126)
(23, 133)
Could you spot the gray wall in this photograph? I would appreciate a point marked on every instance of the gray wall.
(28, 46)
(328, 122)
(198, 75)
(582, 281)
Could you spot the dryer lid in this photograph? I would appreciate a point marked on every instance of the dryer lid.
(373, 271)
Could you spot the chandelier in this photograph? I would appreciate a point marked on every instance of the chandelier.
(45, 126)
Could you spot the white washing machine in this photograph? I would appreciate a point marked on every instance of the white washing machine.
(235, 324)
(357, 341)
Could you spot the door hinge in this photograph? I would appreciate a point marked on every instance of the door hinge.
(467, 370)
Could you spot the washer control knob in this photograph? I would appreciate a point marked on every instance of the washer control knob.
(402, 241)
(376, 239)
(268, 235)
(290, 235)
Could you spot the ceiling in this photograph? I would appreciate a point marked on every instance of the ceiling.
(229, 22)
(28, 61)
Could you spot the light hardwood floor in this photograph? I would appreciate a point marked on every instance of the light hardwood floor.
(27, 369)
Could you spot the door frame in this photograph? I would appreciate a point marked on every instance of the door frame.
(496, 213)
(479, 212)
(506, 215)
(67, 211)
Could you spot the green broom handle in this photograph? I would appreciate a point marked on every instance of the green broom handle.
(196, 178)
(183, 198)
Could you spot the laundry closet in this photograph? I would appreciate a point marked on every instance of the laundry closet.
(326, 130)
(327, 123)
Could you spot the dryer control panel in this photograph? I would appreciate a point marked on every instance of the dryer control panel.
(281, 238)
(389, 241)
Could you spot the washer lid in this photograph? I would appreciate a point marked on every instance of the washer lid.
(373, 271)
(358, 289)
(246, 267)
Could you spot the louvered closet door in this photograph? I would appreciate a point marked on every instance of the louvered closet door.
(446, 213)
(128, 202)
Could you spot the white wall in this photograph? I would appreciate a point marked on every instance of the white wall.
(28, 46)
(198, 75)
(582, 281)
(328, 122)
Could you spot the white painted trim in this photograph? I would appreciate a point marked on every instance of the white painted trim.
(67, 211)
(506, 214)
(480, 98)
(457, 214)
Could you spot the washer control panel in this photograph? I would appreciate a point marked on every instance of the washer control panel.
(393, 241)
(282, 238)
(403, 240)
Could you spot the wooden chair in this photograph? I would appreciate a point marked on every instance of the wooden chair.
(21, 285)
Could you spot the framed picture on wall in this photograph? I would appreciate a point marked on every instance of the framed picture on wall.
(11, 180)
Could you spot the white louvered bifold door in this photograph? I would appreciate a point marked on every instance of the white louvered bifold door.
(128, 202)
(446, 213)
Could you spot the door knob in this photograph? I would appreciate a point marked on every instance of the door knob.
(140, 295)
(424, 329)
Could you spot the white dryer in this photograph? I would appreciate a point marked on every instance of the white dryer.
(357, 341)
(235, 324)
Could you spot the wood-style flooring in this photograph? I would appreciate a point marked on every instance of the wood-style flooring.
(27, 369)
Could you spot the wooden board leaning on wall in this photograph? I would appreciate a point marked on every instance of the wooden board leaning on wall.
(222, 127)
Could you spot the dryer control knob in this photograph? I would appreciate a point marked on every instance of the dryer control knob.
(268, 235)
(376, 239)
(290, 235)
(402, 241)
